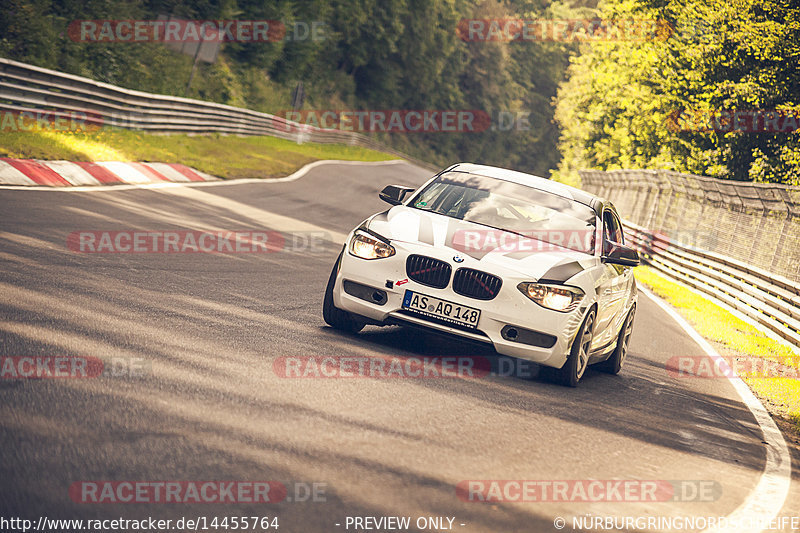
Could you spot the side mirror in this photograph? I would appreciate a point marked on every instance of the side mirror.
(394, 194)
(619, 254)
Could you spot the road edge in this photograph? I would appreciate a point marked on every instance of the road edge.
(297, 174)
(769, 496)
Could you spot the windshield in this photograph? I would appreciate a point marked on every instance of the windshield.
(510, 207)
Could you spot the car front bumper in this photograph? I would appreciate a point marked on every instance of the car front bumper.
(512, 323)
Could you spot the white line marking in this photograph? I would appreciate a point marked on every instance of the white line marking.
(164, 185)
(766, 500)
(259, 217)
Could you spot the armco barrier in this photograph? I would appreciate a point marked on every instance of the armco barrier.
(772, 301)
(681, 223)
(27, 88)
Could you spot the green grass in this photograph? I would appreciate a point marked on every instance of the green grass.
(223, 156)
(734, 337)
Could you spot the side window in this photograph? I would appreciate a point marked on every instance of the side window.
(620, 233)
(612, 229)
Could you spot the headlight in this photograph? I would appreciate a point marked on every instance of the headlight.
(555, 297)
(366, 246)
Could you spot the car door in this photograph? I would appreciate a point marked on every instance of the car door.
(613, 285)
(623, 277)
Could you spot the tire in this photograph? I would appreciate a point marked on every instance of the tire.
(572, 371)
(615, 362)
(333, 316)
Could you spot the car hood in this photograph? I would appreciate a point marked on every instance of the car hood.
(493, 249)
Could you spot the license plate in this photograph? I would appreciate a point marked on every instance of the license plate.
(442, 309)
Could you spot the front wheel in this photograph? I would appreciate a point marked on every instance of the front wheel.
(613, 364)
(572, 371)
(333, 316)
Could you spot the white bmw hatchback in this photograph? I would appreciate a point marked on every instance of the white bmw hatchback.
(535, 268)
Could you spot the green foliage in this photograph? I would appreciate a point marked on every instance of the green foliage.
(607, 104)
(224, 156)
(616, 108)
(377, 54)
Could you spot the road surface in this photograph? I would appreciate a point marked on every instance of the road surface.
(205, 403)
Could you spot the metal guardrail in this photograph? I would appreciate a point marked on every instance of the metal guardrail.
(771, 300)
(681, 223)
(755, 223)
(27, 88)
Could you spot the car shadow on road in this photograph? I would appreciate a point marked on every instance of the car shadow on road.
(713, 423)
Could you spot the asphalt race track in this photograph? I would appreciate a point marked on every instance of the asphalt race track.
(206, 402)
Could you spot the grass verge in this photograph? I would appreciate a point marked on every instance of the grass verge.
(227, 157)
(734, 337)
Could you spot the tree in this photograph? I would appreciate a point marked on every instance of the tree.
(625, 103)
